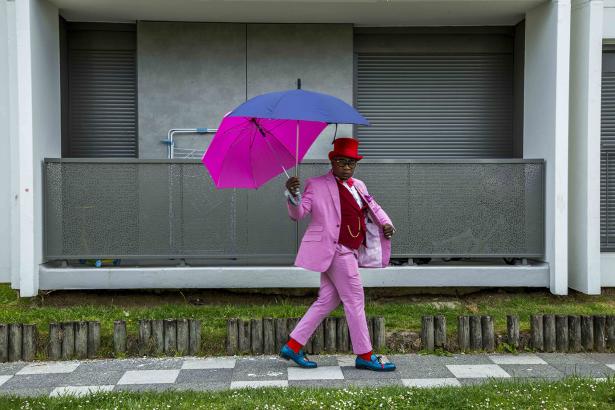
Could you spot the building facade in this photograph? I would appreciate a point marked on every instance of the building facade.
(494, 118)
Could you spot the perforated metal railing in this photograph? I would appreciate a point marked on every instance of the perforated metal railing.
(131, 208)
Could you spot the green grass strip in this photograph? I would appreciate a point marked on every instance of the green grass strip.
(565, 394)
(401, 314)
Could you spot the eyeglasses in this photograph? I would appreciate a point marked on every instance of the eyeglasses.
(340, 162)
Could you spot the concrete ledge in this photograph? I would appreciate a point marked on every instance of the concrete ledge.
(531, 275)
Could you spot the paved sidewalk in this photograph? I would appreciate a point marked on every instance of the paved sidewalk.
(79, 377)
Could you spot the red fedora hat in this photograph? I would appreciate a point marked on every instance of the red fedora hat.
(345, 147)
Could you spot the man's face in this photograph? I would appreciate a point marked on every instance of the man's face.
(343, 167)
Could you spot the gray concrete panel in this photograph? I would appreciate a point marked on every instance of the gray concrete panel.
(320, 54)
(189, 76)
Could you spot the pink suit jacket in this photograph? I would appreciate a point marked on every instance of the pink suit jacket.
(321, 200)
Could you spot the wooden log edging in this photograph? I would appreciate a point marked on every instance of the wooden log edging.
(73, 340)
(512, 331)
(548, 327)
(572, 333)
(463, 333)
(488, 333)
(268, 335)
(17, 342)
(475, 333)
(549, 333)
(562, 333)
(81, 339)
(440, 332)
(427, 333)
(171, 336)
(433, 333)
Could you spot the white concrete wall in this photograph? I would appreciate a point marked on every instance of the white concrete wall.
(584, 146)
(547, 55)
(608, 20)
(13, 139)
(5, 170)
(38, 100)
(46, 104)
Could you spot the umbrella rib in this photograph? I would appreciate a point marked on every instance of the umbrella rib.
(237, 125)
(282, 122)
(273, 136)
(277, 103)
(262, 132)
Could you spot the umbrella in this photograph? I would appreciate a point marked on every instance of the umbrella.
(237, 158)
(247, 152)
(300, 105)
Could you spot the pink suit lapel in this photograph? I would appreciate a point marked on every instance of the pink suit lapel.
(367, 199)
(335, 195)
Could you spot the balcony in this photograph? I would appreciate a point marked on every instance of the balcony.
(156, 210)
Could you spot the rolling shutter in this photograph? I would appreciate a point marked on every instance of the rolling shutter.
(102, 94)
(607, 155)
(457, 102)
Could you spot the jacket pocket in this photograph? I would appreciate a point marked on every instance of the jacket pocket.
(315, 228)
(311, 238)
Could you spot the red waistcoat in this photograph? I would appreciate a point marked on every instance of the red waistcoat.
(352, 227)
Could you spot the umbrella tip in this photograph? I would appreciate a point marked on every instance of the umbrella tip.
(298, 83)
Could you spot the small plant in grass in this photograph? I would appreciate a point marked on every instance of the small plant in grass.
(437, 352)
(441, 352)
(506, 348)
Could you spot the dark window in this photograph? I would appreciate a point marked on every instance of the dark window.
(435, 93)
(99, 90)
(607, 153)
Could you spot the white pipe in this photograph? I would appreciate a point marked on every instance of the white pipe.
(169, 141)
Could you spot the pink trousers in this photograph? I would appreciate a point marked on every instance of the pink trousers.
(341, 282)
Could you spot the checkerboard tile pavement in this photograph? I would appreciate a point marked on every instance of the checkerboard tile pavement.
(215, 373)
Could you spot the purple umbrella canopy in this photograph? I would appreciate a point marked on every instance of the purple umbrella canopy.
(271, 133)
(247, 152)
(300, 105)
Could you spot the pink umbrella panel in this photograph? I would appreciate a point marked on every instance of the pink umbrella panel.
(247, 152)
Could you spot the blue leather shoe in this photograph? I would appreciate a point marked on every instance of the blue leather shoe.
(300, 358)
(374, 364)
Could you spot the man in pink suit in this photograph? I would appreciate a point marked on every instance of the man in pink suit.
(348, 229)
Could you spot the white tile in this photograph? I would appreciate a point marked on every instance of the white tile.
(259, 383)
(49, 367)
(209, 363)
(149, 377)
(517, 359)
(472, 371)
(4, 379)
(430, 382)
(79, 390)
(319, 373)
(612, 366)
